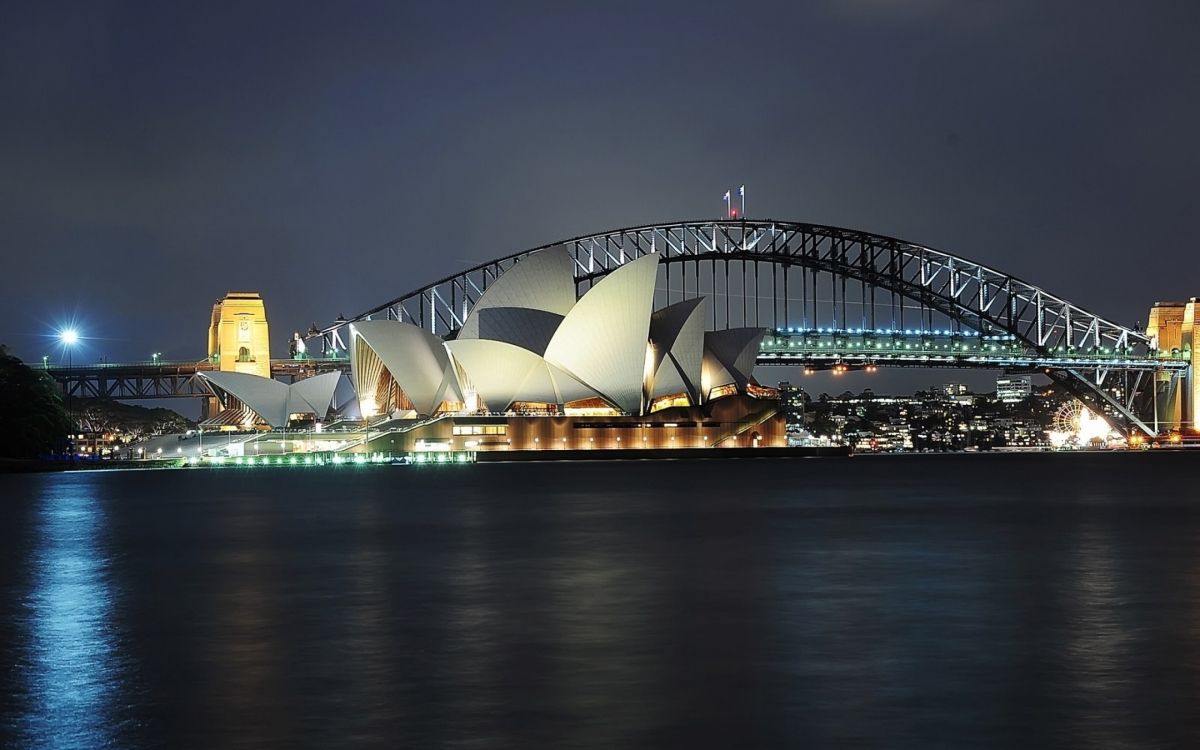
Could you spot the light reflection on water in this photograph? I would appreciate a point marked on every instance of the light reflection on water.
(724, 604)
(74, 670)
(1102, 639)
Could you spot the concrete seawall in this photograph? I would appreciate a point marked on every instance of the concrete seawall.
(653, 454)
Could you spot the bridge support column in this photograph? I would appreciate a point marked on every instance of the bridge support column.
(1191, 384)
(1168, 400)
(1172, 329)
(209, 408)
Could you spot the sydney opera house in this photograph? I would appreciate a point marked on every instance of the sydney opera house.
(533, 367)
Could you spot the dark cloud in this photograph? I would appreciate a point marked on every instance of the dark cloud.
(333, 156)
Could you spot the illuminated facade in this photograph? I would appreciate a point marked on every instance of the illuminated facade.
(605, 370)
(793, 400)
(676, 355)
(735, 422)
(401, 369)
(1172, 330)
(1012, 389)
(238, 338)
(531, 363)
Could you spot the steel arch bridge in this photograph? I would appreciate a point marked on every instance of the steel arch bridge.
(838, 297)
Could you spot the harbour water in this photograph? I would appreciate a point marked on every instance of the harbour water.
(919, 601)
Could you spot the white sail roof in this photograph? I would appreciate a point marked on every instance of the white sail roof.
(729, 357)
(526, 303)
(274, 401)
(499, 371)
(568, 387)
(416, 359)
(602, 340)
(316, 391)
(524, 327)
(345, 400)
(677, 346)
(502, 373)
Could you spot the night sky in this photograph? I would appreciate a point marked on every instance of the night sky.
(154, 156)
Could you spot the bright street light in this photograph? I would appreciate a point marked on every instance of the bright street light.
(69, 337)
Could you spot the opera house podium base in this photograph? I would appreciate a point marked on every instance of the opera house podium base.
(735, 423)
(663, 454)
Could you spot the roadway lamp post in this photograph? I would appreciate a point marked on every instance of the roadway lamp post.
(69, 337)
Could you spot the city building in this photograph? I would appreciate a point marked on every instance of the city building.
(792, 400)
(105, 444)
(1013, 388)
(931, 421)
(533, 367)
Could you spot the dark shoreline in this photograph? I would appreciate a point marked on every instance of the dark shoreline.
(29, 466)
(37, 465)
(33, 466)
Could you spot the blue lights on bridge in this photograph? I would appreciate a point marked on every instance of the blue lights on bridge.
(868, 347)
(885, 332)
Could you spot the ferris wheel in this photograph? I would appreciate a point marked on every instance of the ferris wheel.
(1076, 424)
(1069, 416)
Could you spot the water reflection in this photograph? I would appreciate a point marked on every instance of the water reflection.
(474, 624)
(1100, 637)
(578, 606)
(74, 670)
(365, 647)
(600, 597)
(244, 658)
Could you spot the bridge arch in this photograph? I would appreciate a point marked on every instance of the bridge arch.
(817, 275)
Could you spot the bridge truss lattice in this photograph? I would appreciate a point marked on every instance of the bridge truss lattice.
(790, 275)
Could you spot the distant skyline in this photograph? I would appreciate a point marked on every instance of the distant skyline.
(157, 156)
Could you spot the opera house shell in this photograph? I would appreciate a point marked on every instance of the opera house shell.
(530, 346)
(247, 399)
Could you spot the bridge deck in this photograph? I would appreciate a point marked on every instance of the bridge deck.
(166, 379)
(828, 347)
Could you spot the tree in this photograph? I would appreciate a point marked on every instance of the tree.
(33, 420)
(135, 422)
